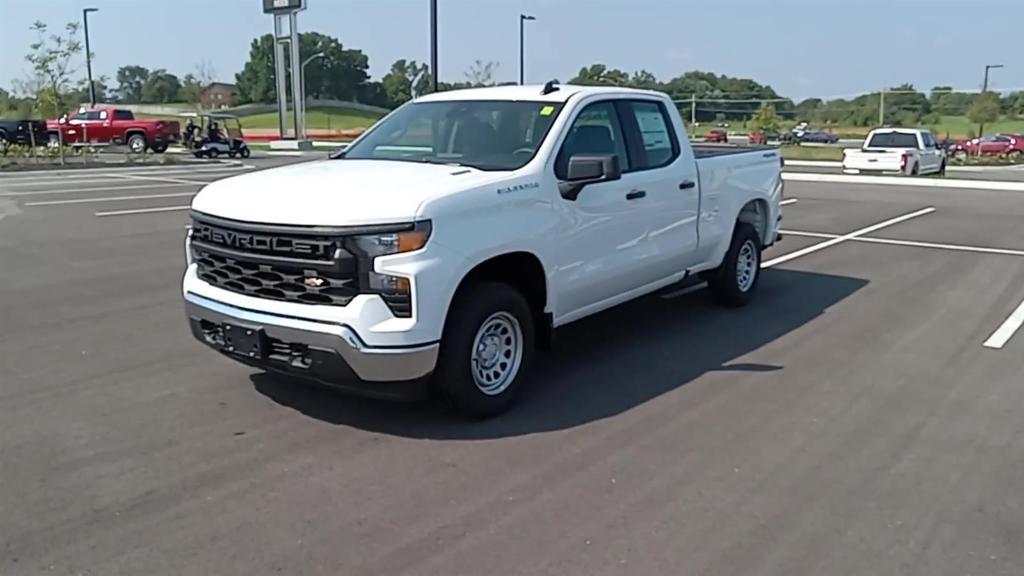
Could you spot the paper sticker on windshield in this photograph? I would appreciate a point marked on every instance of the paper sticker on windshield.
(547, 110)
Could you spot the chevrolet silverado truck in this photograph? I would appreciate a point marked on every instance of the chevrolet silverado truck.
(899, 151)
(445, 245)
(114, 126)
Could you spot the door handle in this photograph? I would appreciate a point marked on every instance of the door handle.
(687, 184)
(636, 194)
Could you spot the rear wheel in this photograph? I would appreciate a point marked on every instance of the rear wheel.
(159, 148)
(734, 281)
(1015, 156)
(137, 143)
(487, 349)
(245, 152)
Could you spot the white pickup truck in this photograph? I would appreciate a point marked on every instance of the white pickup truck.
(445, 244)
(900, 151)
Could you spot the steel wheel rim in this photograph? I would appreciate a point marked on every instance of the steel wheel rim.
(136, 145)
(746, 266)
(497, 353)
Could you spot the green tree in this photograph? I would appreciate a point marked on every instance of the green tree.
(130, 80)
(765, 119)
(644, 80)
(481, 73)
(984, 109)
(340, 74)
(405, 79)
(51, 57)
(600, 75)
(161, 87)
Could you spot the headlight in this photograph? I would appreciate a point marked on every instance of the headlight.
(383, 244)
(395, 290)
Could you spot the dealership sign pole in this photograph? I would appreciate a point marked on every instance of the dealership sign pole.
(281, 9)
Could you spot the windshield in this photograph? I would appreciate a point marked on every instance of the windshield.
(893, 140)
(488, 135)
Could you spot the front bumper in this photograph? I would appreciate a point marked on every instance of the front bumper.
(332, 354)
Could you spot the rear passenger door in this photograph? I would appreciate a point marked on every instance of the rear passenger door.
(667, 172)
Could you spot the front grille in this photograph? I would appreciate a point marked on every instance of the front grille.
(291, 266)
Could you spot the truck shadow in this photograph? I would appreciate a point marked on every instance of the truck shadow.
(603, 365)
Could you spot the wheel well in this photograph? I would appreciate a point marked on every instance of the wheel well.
(755, 213)
(524, 272)
(129, 133)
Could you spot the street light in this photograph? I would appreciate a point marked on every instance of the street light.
(522, 20)
(303, 95)
(984, 88)
(88, 56)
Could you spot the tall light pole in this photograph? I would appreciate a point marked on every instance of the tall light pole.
(522, 21)
(433, 44)
(984, 89)
(88, 55)
(302, 71)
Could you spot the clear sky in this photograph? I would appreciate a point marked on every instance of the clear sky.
(800, 47)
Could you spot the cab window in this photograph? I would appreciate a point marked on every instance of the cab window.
(596, 130)
(656, 135)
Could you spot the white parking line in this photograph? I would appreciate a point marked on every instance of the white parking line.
(160, 179)
(96, 189)
(1002, 335)
(109, 199)
(789, 201)
(83, 176)
(142, 211)
(903, 181)
(913, 243)
(840, 239)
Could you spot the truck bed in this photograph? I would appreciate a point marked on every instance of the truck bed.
(713, 150)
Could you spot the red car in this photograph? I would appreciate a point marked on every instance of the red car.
(115, 126)
(716, 136)
(997, 145)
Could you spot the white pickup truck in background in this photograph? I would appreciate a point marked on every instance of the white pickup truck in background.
(449, 241)
(900, 151)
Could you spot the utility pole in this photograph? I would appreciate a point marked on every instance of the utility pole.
(881, 108)
(693, 110)
(522, 21)
(88, 55)
(433, 43)
(984, 89)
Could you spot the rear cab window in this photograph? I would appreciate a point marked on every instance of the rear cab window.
(893, 140)
(123, 115)
(658, 144)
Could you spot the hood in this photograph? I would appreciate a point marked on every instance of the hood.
(336, 192)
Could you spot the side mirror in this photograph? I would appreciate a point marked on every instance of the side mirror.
(587, 169)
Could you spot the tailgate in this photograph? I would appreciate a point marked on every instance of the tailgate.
(872, 160)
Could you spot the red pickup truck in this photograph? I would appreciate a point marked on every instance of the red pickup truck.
(115, 126)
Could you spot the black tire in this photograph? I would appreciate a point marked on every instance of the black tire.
(725, 282)
(212, 153)
(159, 148)
(475, 309)
(136, 143)
(231, 154)
(915, 170)
(245, 152)
(942, 168)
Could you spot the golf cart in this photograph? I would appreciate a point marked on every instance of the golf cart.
(213, 135)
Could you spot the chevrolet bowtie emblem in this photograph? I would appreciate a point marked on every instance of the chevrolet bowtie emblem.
(314, 282)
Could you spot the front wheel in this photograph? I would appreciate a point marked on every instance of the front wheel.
(159, 148)
(486, 350)
(734, 281)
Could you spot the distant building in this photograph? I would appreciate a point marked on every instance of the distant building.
(219, 95)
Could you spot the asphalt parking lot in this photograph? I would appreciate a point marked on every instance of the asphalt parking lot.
(861, 417)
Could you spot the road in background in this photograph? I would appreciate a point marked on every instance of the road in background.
(850, 421)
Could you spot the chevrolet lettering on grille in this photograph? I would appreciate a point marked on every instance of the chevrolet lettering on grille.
(261, 242)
